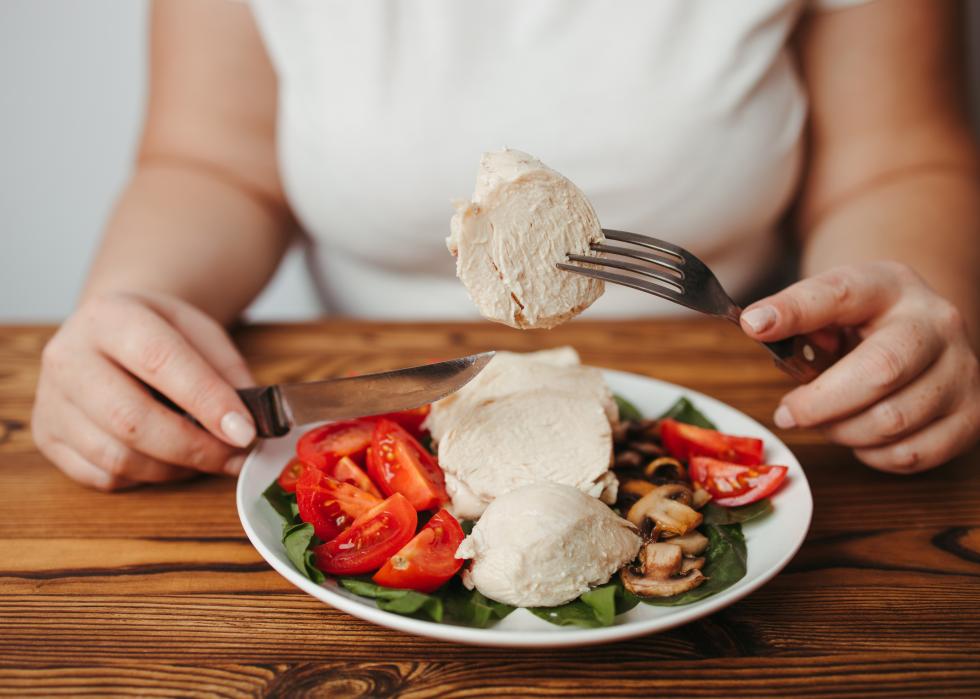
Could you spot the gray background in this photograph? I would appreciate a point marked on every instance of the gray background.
(71, 93)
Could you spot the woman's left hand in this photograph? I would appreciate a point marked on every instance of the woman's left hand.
(907, 397)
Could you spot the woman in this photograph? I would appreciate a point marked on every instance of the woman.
(682, 119)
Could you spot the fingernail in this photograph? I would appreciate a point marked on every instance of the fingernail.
(760, 319)
(238, 429)
(234, 465)
(783, 418)
(103, 481)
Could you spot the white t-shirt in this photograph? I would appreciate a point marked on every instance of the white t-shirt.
(682, 119)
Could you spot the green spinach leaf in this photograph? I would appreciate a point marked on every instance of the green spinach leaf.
(298, 539)
(297, 536)
(684, 411)
(312, 572)
(602, 600)
(724, 566)
(282, 502)
(452, 602)
(593, 609)
(625, 600)
(716, 514)
(469, 606)
(574, 613)
(405, 602)
(627, 411)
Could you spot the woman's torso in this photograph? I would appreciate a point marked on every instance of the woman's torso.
(679, 119)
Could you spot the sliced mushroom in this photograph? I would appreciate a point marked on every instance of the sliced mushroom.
(648, 449)
(636, 487)
(689, 564)
(649, 428)
(700, 498)
(664, 511)
(660, 572)
(627, 459)
(666, 468)
(660, 559)
(692, 544)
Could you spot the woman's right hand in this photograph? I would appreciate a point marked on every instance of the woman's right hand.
(97, 423)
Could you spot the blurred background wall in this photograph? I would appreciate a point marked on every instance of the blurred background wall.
(71, 98)
(71, 91)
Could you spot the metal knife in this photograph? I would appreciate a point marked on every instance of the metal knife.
(280, 407)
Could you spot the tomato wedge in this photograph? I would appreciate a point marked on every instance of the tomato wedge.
(720, 478)
(426, 562)
(372, 539)
(399, 464)
(731, 484)
(684, 441)
(346, 471)
(411, 420)
(322, 447)
(328, 504)
(291, 473)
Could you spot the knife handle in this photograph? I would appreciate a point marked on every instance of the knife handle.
(801, 357)
(263, 403)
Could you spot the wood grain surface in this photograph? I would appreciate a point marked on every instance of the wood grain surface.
(157, 592)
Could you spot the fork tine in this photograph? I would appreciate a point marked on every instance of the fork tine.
(647, 242)
(624, 280)
(639, 255)
(670, 281)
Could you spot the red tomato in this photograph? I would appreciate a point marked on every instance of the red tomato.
(329, 505)
(322, 447)
(291, 473)
(731, 484)
(399, 464)
(347, 471)
(426, 562)
(411, 420)
(722, 479)
(373, 538)
(684, 441)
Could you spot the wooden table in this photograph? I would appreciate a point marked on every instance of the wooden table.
(158, 590)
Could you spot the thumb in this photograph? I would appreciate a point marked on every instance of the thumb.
(844, 297)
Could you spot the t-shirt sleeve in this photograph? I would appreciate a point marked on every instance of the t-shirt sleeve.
(819, 5)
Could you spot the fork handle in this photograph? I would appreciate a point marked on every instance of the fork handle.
(800, 357)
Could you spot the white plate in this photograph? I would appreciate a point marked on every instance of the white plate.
(771, 542)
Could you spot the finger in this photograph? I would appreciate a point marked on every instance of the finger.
(886, 361)
(832, 340)
(76, 430)
(904, 412)
(927, 448)
(843, 296)
(206, 336)
(148, 347)
(123, 409)
(76, 467)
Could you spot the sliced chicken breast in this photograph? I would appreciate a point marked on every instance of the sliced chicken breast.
(509, 372)
(523, 220)
(545, 544)
(541, 434)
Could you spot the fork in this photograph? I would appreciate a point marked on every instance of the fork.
(671, 272)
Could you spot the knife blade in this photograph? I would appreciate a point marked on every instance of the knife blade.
(280, 407)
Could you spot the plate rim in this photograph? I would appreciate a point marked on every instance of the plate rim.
(563, 637)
